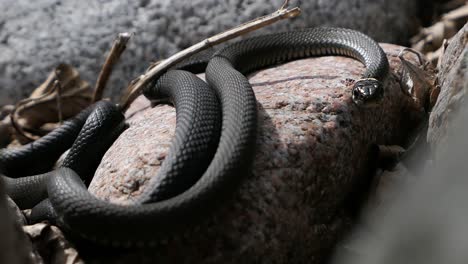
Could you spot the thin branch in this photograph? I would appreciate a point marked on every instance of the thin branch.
(118, 47)
(137, 85)
(409, 50)
(58, 86)
(284, 5)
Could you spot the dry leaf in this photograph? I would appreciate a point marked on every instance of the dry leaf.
(435, 57)
(75, 96)
(459, 15)
(5, 133)
(449, 5)
(418, 81)
(5, 126)
(431, 38)
(6, 110)
(51, 244)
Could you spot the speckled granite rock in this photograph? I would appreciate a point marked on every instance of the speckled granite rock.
(35, 36)
(312, 149)
(15, 247)
(453, 79)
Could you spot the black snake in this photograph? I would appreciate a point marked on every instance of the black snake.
(213, 147)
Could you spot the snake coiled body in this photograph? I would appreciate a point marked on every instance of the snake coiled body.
(170, 203)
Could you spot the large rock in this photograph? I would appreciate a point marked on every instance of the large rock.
(312, 152)
(35, 36)
(453, 80)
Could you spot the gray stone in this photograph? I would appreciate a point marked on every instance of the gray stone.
(453, 80)
(312, 152)
(35, 36)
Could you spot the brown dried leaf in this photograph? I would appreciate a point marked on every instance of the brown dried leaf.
(434, 57)
(418, 81)
(51, 244)
(459, 15)
(75, 95)
(431, 38)
(5, 126)
(452, 4)
(6, 110)
(5, 133)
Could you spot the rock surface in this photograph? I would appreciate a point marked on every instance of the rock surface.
(35, 36)
(453, 80)
(312, 152)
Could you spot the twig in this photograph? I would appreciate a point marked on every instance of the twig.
(118, 47)
(58, 86)
(409, 50)
(284, 5)
(137, 85)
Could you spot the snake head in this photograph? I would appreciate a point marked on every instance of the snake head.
(367, 92)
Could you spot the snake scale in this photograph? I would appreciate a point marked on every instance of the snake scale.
(211, 152)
